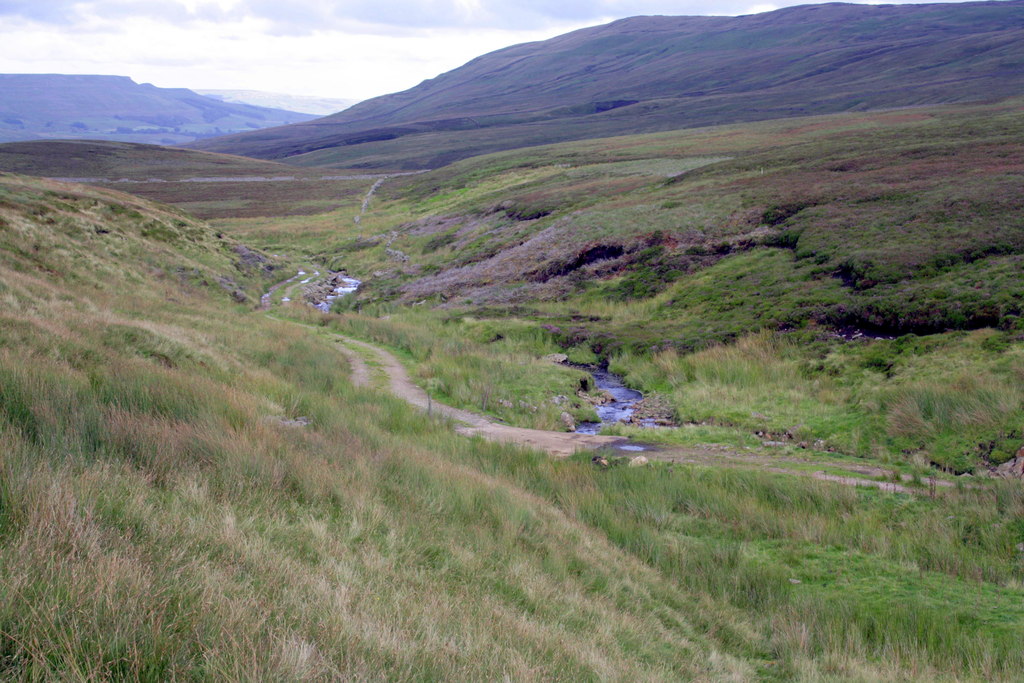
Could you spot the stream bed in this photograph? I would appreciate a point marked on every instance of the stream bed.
(342, 285)
(618, 410)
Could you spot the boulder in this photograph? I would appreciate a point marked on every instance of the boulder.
(556, 358)
(568, 421)
(1012, 469)
(638, 461)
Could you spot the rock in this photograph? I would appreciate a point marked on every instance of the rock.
(559, 400)
(599, 461)
(654, 408)
(1012, 469)
(795, 581)
(773, 444)
(599, 398)
(758, 416)
(239, 296)
(638, 461)
(555, 358)
(504, 402)
(568, 421)
(792, 432)
(249, 258)
(396, 255)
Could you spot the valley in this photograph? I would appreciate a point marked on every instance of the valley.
(262, 421)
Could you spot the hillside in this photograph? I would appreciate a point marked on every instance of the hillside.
(195, 487)
(49, 106)
(660, 73)
(205, 184)
(900, 230)
(190, 489)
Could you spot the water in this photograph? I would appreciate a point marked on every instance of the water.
(619, 410)
(347, 285)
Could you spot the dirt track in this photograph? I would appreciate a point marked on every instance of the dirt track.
(556, 443)
(565, 443)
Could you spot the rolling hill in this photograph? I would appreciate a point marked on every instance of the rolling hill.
(205, 184)
(657, 73)
(48, 106)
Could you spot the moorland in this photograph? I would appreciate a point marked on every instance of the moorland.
(194, 486)
(646, 74)
(202, 476)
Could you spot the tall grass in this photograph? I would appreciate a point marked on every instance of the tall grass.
(160, 521)
(954, 399)
(489, 366)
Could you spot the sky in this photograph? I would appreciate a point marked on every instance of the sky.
(351, 49)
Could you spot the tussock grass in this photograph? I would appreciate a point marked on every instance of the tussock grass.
(952, 399)
(159, 522)
(486, 366)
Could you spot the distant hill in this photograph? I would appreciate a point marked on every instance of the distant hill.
(649, 74)
(105, 160)
(320, 106)
(52, 106)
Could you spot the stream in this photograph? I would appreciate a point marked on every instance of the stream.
(343, 285)
(619, 410)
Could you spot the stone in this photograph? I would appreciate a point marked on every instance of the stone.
(559, 400)
(555, 358)
(773, 444)
(638, 461)
(568, 421)
(1012, 469)
(599, 461)
(504, 402)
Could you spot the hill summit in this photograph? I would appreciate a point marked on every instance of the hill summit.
(654, 73)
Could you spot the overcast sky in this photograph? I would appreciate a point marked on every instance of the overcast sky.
(347, 48)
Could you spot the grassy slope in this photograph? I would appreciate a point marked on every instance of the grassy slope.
(159, 522)
(661, 73)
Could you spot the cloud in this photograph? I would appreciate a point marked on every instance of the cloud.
(297, 17)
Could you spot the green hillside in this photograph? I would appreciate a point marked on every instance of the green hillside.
(901, 230)
(648, 74)
(166, 516)
(826, 309)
